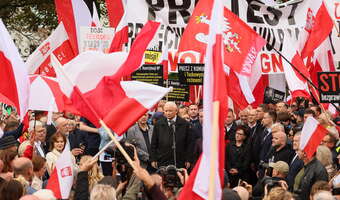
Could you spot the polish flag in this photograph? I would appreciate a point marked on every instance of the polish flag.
(296, 83)
(165, 61)
(61, 179)
(74, 14)
(211, 163)
(311, 136)
(319, 25)
(93, 78)
(115, 11)
(58, 43)
(239, 89)
(14, 82)
(121, 33)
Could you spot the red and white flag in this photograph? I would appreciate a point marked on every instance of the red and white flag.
(61, 179)
(118, 103)
(241, 43)
(74, 14)
(319, 25)
(215, 93)
(121, 32)
(165, 61)
(311, 136)
(58, 43)
(95, 17)
(14, 82)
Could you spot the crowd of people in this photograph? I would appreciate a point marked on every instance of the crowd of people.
(263, 159)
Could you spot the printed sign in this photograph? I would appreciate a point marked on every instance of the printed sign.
(190, 74)
(95, 39)
(152, 74)
(273, 96)
(329, 87)
(180, 92)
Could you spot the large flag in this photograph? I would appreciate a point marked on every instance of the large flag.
(74, 14)
(61, 179)
(215, 109)
(14, 82)
(319, 25)
(241, 44)
(311, 136)
(58, 43)
(93, 78)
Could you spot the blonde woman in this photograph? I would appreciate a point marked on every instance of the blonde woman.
(94, 175)
(324, 155)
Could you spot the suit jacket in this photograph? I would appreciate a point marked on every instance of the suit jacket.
(135, 136)
(162, 143)
(230, 135)
(294, 167)
(266, 144)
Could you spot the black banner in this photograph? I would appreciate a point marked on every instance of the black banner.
(190, 73)
(180, 91)
(152, 74)
(329, 87)
(273, 96)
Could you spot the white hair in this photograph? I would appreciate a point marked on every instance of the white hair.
(103, 192)
(45, 194)
(323, 195)
(34, 123)
(279, 126)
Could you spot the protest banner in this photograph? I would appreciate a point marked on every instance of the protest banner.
(152, 74)
(190, 73)
(95, 39)
(180, 92)
(329, 87)
(273, 96)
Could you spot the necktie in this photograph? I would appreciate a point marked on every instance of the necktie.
(172, 126)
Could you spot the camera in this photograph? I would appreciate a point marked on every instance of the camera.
(270, 183)
(263, 165)
(169, 175)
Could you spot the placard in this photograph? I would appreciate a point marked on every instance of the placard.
(152, 74)
(190, 74)
(273, 96)
(180, 92)
(329, 87)
(95, 39)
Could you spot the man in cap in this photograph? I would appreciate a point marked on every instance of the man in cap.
(8, 142)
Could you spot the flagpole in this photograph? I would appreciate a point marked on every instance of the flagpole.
(307, 79)
(213, 151)
(101, 122)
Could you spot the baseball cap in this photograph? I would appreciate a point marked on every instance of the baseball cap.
(280, 166)
(7, 142)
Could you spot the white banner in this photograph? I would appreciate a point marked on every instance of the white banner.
(269, 22)
(95, 39)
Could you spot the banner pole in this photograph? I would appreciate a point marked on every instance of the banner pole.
(213, 151)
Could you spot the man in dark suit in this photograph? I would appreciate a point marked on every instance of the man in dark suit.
(230, 126)
(171, 140)
(296, 164)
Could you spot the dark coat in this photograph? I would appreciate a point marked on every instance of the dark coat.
(162, 143)
(265, 144)
(254, 143)
(294, 167)
(236, 157)
(314, 171)
(285, 154)
(230, 135)
(82, 186)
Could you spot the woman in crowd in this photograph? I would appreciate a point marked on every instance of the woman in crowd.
(11, 190)
(94, 174)
(236, 154)
(39, 169)
(58, 142)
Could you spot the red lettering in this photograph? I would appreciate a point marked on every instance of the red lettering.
(325, 86)
(265, 65)
(187, 55)
(333, 77)
(277, 63)
(173, 60)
